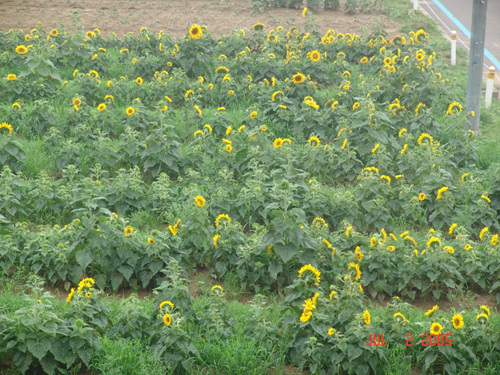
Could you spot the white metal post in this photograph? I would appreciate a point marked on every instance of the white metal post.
(489, 87)
(453, 48)
(415, 4)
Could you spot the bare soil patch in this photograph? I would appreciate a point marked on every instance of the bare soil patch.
(174, 16)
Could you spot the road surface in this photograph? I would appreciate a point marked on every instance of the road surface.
(457, 15)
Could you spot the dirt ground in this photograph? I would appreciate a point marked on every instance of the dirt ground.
(174, 16)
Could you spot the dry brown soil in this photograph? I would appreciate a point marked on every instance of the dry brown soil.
(174, 16)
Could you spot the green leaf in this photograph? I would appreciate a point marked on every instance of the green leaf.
(429, 360)
(116, 281)
(85, 355)
(286, 252)
(126, 271)
(39, 348)
(274, 269)
(84, 257)
(48, 364)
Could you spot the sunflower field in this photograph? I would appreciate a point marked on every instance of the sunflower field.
(331, 170)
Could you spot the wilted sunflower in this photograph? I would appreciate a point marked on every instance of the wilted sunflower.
(21, 49)
(298, 78)
(195, 31)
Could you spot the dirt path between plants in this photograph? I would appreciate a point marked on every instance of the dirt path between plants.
(174, 16)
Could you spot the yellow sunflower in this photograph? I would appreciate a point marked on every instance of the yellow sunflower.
(130, 111)
(70, 295)
(128, 231)
(424, 136)
(436, 329)
(458, 321)
(298, 78)
(356, 268)
(218, 288)
(165, 303)
(101, 107)
(315, 140)
(200, 201)
(139, 80)
(312, 269)
(22, 49)
(278, 142)
(258, 26)
(367, 317)
(11, 77)
(167, 319)
(422, 196)
(195, 31)
(315, 56)
(429, 312)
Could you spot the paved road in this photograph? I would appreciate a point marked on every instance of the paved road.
(446, 11)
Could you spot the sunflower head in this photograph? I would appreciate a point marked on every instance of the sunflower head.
(458, 321)
(200, 201)
(217, 289)
(278, 142)
(436, 329)
(4, 125)
(367, 317)
(54, 32)
(298, 78)
(315, 56)
(101, 107)
(130, 111)
(195, 31)
(258, 26)
(128, 231)
(22, 49)
(167, 319)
